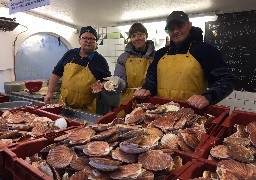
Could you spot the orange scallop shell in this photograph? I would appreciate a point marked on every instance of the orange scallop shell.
(130, 171)
(120, 155)
(155, 160)
(97, 148)
(60, 157)
(81, 135)
(79, 163)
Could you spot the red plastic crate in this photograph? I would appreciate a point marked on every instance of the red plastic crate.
(22, 170)
(226, 129)
(54, 110)
(4, 98)
(5, 174)
(196, 169)
(51, 135)
(220, 112)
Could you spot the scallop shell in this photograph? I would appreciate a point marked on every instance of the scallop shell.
(237, 140)
(100, 127)
(79, 163)
(62, 137)
(252, 137)
(132, 146)
(125, 128)
(130, 171)
(17, 117)
(241, 153)
(61, 123)
(154, 131)
(79, 175)
(93, 173)
(189, 139)
(109, 86)
(82, 135)
(183, 146)
(5, 143)
(132, 134)
(97, 148)
(6, 113)
(60, 156)
(251, 127)
(166, 121)
(45, 168)
(120, 155)
(40, 130)
(155, 160)
(136, 116)
(149, 141)
(170, 141)
(159, 110)
(235, 167)
(146, 175)
(104, 164)
(146, 106)
(220, 151)
(104, 134)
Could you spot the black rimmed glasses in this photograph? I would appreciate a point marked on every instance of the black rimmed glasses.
(86, 39)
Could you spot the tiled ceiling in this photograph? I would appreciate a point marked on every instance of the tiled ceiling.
(102, 13)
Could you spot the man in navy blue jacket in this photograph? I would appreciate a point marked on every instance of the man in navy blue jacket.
(187, 69)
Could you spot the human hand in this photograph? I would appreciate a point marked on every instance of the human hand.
(97, 87)
(142, 93)
(198, 101)
(48, 99)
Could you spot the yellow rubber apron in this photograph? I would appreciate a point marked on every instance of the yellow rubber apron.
(76, 89)
(136, 70)
(179, 77)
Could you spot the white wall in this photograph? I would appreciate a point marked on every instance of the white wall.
(29, 25)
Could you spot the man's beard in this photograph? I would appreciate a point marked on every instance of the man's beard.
(88, 51)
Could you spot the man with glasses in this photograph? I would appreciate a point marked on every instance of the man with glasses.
(79, 68)
(187, 69)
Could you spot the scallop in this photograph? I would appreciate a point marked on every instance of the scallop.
(251, 127)
(220, 151)
(170, 141)
(132, 146)
(79, 163)
(136, 116)
(104, 164)
(252, 137)
(97, 148)
(132, 134)
(166, 121)
(79, 175)
(5, 143)
(120, 155)
(189, 139)
(104, 134)
(60, 157)
(237, 140)
(61, 123)
(146, 175)
(149, 141)
(82, 135)
(130, 171)
(235, 167)
(100, 127)
(154, 131)
(155, 160)
(241, 153)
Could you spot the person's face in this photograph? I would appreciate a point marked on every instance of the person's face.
(179, 32)
(138, 40)
(87, 42)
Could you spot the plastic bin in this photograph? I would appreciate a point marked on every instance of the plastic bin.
(226, 129)
(220, 112)
(4, 98)
(22, 170)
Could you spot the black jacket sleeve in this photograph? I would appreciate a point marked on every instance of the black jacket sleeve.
(221, 82)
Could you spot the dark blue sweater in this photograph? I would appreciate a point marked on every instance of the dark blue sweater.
(98, 64)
